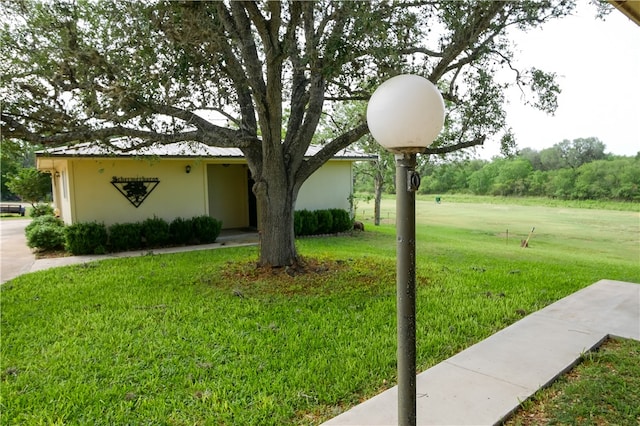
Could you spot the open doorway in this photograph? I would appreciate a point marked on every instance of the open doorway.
(253, 203)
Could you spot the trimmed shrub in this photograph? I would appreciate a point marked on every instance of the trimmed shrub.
(125, 236)
(41, 210)
(155, 232)
(181, 231)
(297, 223)
(206, 229)
(341, 220)
(308, 222)
(46, 237)
(86, 238)
(325, 221)
(43, 220)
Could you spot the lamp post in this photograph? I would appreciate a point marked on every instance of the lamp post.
(405, 115)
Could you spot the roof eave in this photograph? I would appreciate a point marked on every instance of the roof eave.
(631, 9)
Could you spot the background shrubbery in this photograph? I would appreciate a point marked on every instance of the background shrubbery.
(49, 233)
(318, 222)
(569, 170)
(41, 210)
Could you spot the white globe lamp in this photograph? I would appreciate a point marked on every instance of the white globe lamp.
(405, 114)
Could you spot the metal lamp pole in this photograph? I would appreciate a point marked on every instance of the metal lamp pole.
(405, 115)
(407, 182)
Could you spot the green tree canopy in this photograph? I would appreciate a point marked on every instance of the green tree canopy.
(14, 155)
(161, 71)
(30, 185)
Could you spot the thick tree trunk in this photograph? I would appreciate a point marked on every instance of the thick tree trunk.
(275, 223)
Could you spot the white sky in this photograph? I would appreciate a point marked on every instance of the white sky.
(598, 67)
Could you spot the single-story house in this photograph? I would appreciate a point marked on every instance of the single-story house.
(109, 184)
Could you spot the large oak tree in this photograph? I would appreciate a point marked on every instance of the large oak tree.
(158, 72)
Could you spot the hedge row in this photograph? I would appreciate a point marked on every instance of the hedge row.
(49, 233)
(318, 222)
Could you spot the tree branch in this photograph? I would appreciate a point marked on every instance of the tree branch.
(329, 150)
(451, 148)
(424, 50)
(212, 135)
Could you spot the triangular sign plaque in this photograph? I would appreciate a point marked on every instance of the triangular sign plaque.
(136, 190)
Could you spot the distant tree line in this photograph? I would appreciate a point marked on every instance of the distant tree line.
(578, 169)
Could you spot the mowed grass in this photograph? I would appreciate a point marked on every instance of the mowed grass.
(204, 338)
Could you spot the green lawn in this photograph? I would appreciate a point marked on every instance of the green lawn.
(203, 338)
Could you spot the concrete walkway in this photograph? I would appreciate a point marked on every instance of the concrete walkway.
(485, 383)
(227, 238)
(17, 258)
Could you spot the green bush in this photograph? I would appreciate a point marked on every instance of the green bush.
(155, 232)
(181, 231)
(325, 221)
(41, 210)
(297, 223)
(206, 229)
(341, 220)
(43, 220)
(125, 236)
(315, 222)
(308, 222)
(86, 238)
(46, 237)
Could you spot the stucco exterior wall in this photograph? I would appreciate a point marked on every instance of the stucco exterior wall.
(83, 191)
(329, 187)
(62, 192)
(178, 194)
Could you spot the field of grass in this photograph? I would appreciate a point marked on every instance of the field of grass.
(608, 234)
(204, 338)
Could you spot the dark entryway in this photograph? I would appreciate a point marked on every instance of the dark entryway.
(253, 204)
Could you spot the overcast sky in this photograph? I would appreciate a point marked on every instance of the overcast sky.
(598, 67)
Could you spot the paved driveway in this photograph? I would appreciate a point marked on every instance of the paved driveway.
(15, 257)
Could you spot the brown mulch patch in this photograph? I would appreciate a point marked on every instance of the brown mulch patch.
(51, 254)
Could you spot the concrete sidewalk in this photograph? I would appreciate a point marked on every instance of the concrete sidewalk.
(227, 238)
(485, 383)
